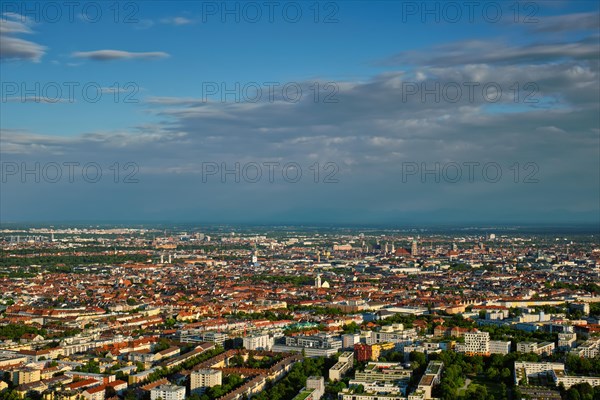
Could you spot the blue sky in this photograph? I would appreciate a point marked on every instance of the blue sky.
(542, 134)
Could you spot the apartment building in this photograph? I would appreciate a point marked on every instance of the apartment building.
(258, 342)
(94, 393)
(208, 336)
(168, 392)
(371, 352)
(566, 341)
(25, 375)
(392, 334)
(559, 377)
(525, 370)
(349, 340)
(499, 347)
(537, 348)
(320, 345)
(345, 362)
(383, 371)
(202, 379)
(476, 343)
(348, 394)
(588, 349)
(317, 385)
(556, 371)
(431, 377)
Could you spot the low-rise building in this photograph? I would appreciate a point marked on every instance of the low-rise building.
(566, 341)
(383, 372)
(537, 348)
(559, 377)
(588, 349)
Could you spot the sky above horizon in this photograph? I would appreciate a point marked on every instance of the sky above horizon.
(307, 112)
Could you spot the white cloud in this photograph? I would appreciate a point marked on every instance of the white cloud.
(13, 48)
(109, 55)
(178, 21)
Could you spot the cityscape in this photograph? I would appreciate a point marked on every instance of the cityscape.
(299, 200)
(285, 312)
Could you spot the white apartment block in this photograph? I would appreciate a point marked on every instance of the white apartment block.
(525, 370)
(205, 378)
(496, 314)
(567, 340)
(588, 349)
(382, 388)
(168, 392)
(317, 385)
(347, 394)
(320, 345)
(499, 347)
(258, 342)
(570, 380)
(431, 377)
(476, 343)
(392, 334)
(537, 348)
(383, 372)
(349, 340)
(345, 362)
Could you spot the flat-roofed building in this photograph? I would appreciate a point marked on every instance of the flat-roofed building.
(392, 334)
(349, 340)
(499, 347)
(588, 349)
(383, 371)
(525, 370)
(9, 359)
(345, 362)
(321, 345)
(537, 348)
(25, 375)
(476, 343)
(202, 379)
(559, 377)
(258, 342)
(317, 385)
(349, 394)
(566, 341)
(168, 392)
(431, 377)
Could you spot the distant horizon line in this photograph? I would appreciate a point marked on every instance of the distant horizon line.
(312, 224)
